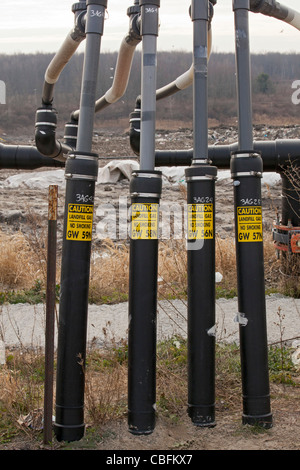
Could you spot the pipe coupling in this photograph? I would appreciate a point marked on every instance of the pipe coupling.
(82, 166)
(245, 163)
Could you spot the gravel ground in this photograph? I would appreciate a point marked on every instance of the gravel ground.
(24, 324)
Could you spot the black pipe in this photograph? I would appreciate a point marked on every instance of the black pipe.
(246, 172)
(81, 174)
(22, 157)
(275, 154)
(145, 189)
(246, 169)
(46, 115)
(201, 293)
(200, 178)
(45, 134)
(269, 8)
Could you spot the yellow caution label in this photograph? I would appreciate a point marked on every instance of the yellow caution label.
(249, 224)
(200, 221)
(144, 222)
(80, 222)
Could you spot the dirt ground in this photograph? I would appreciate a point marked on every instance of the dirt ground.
(176, 435)
(17, 203)
(180, 436)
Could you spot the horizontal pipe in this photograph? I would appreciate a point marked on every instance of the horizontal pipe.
(275, 154)
(22, 157)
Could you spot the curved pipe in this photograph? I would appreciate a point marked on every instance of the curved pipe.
(121, 76)
(46, 116)
(183, 81)
(63, 55)
(45, 138)
(276, 10)
(22, 157)
(123, 68)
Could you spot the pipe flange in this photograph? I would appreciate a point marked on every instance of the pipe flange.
(102, 3)
(133, 10)
(79, 6)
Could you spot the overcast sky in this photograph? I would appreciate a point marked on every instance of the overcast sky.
(40, 26)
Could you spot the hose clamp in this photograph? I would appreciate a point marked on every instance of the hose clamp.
(258, 174)
(147, 195)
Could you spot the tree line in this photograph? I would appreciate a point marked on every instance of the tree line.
(272, 77)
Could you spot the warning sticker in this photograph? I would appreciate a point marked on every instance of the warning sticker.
(144, 225)
(80, 222)
(249, 224)
(200, 221)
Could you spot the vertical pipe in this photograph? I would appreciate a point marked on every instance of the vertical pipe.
(200, 179)
(50, 312)
(81, 174)
(145, 190)
(149, 32)
(243, 76)
(199, 14)
(246, 171)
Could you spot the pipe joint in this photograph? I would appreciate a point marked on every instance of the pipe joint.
(102, 3)
(135, 129)
(45, 134)
(149, 17)
(82, 166)
(70, 135)
(78, 33)
(241, 5)
(150, 2)
(266, 7)
(133, 10)
(79, 10)
(200, 10)
(45, 128)
(146, 184)
(244, 164)
(134, 34)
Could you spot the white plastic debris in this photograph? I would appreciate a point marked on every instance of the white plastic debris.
(2, 353)
(296, 354)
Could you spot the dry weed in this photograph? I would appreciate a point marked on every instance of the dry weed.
(17, 262)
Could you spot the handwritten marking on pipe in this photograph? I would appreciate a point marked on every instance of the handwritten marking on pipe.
(144, 221)
(200, 221)
(79, 222)
(249, 223)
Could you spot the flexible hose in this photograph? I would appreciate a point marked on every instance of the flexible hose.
(293, 18)
(276, 10)
(183, 81)
(121, 76)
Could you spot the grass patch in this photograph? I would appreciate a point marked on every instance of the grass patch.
(22, 379)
